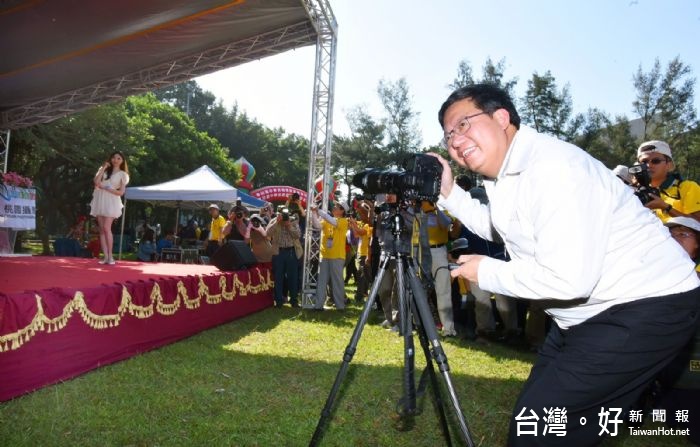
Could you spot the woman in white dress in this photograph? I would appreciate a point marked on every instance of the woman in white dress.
(110, 184)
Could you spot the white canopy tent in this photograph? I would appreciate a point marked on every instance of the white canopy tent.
(196, 190)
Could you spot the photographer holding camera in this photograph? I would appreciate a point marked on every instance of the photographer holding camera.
(259, 242)
(284, 233)
(237, 227)
(576, 238)
(677, 197)
(293, 204)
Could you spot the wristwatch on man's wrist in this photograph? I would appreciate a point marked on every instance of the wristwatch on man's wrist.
(668, 209)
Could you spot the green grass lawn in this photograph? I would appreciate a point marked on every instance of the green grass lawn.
(262, 381)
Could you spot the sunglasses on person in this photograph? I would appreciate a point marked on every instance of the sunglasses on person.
(653, 161)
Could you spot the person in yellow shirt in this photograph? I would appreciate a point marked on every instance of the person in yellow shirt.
(333, 230)
(364, 232)
(437, 226)
(215, 236)
(679, 198)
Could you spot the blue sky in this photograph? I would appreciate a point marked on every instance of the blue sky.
(595, 46)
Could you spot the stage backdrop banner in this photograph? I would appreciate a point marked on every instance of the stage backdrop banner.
(17, 207)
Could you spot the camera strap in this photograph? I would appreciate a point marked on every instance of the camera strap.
(671, 181)
(422, 248)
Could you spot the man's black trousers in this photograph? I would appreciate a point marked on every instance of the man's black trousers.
(600, 365)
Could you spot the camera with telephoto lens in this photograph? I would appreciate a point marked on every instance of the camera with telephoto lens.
(420, 179)
(642, 183)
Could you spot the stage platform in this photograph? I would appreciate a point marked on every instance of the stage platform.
(62, 317)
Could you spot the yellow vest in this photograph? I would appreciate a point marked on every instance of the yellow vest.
(215, 228)
(437, 235)
(682, 196)
(333, 239)
(363, 246)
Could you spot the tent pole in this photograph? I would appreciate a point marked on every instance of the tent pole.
(121, 236)
(177, 220)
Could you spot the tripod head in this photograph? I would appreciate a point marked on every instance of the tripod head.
(395, 226)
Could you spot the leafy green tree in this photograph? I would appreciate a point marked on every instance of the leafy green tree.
(608, 140)
(689, 161)
(278, 157)
(363, 149)
(465, 76)
(367, 135)
(491, 73)
(547, 109)
(665, 103)
(288, 158)
(189, 97)
(400, 122)
(172, 146)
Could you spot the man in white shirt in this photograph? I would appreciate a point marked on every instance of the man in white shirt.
(623, 298)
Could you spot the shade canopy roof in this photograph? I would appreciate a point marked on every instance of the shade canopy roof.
(197, 189)
(60, 57)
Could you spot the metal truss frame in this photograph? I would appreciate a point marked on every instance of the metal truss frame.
(4, 149)
(162, 75)
(321, 139)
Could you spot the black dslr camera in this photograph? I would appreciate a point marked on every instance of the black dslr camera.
(642, 183)
(255, 220)
(284, 211)
(419, 181)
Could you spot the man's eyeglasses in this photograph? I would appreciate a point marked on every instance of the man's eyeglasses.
(460, 129)
(653, 161)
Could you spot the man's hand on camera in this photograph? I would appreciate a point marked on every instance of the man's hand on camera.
(469, 267)
(447, 178)
(656, 203)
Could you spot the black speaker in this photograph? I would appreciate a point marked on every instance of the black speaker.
(233, 255)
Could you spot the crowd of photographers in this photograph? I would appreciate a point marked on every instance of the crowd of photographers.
(351, 240)
(274, 237)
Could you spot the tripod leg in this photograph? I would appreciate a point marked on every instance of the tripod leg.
(426, 318)
(430, 370)
(350, 351)
(408, 402)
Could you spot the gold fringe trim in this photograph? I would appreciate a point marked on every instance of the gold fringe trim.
(41, 322)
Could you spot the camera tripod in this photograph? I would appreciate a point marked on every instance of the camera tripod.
(413, 309)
